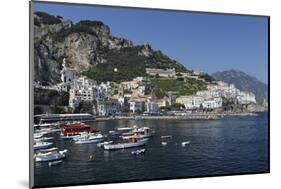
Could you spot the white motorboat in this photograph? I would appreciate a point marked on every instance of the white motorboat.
(54, 163)
(48, 150)
(37, 135)
(87, 138)
(143, 132)
(42, 145)
(50, 156)
(185, 143)
(125, 128)
(137, 152)
(125, 145)
(43, 139)
(164, 143)
(103, 143)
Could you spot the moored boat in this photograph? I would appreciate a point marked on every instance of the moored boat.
(185, 143)
(42, 145)
(54, 163)
(134, 143)
(88, 138)
(142, 132)
(43, 139)
(72, 131)
(50, 156)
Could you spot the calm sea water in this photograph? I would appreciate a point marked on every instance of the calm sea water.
(231, 145)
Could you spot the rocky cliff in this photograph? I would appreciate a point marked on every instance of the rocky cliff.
(85, 45)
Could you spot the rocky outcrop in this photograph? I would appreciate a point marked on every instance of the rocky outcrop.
(83, 45)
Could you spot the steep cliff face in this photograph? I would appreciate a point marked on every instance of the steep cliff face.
(82, 44)
(85, 45)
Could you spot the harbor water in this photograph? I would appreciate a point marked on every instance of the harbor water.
(231, 145)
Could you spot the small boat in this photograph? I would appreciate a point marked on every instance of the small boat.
(143, 132)
(48, 149)
(54, 163)
(125, 145)
(50, 156)
(42, 145)
(185, 143)
(124, 128)
(103, 143)
(44, 139)
(166, 136)
(87, 138)
(164, 143)
(72, 131)
(137, 152)
(37, 135)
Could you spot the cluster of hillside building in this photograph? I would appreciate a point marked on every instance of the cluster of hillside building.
(110, 98)
(213, 97)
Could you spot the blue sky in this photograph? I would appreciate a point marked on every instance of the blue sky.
(202, 42)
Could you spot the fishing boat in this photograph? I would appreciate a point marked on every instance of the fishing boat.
(185, 143)
(134, 143)
(137, 152)
(87, 138)
(103, 143)
(42, 145)
(50, 156)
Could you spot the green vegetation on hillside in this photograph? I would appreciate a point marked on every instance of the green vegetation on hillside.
(129, 65)
(84, 26)
(189, 87)
(46, 19)
(127, 62)
(161, 61)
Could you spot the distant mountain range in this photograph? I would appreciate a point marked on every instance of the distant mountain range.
(244, 82)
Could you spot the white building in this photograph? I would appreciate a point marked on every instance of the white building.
(246, 98)
(108, 107)
(151, 107)
(160, 72)
(67, 74)
(137, 106)
(212, 103)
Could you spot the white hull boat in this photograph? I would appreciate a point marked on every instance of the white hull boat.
(42, 145)
(43, 139)
(87, 138)
(52, 163)
(185, 143)
(50, 156)
(88, 141)
(124, 145)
